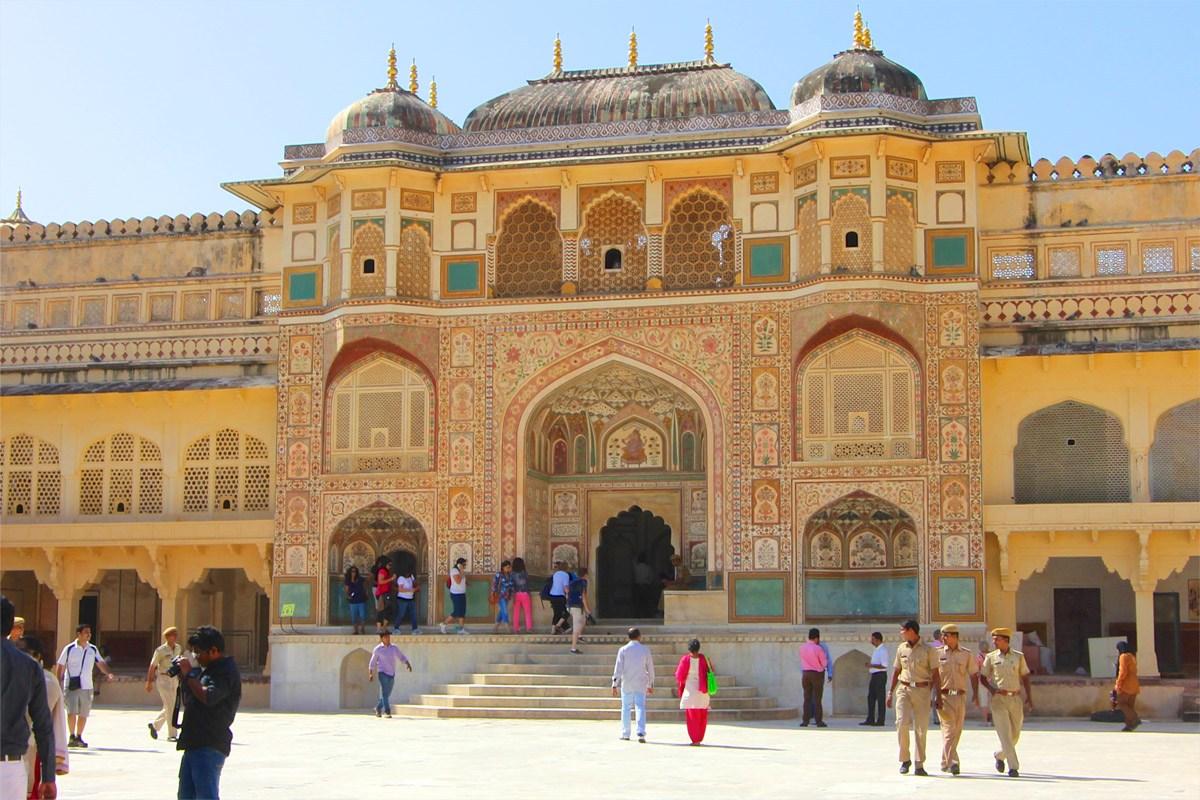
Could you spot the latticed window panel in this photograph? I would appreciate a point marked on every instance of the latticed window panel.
(614, 221)
(1194, 257)
(1071, 453)
(124, 476)
(195, 306)
(1111, 261)
(857, 400)
(335, 271)
(91, 312)
(31, 481)
(1064, 262)
(412, 266)
(368, 246)
(1175, 455)
(382, 420)
(809, 238)
(529, 252)
(852, 215)
(898, 235)
(226, 471)
(1158, 258)
(1013, 265)
(699, 243)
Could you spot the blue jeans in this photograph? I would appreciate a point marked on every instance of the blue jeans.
(358, 613)
(630, 700)
(386, 682)
(408, 608)
(501, 611)
(200, 774)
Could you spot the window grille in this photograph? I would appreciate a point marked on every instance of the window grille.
(1175, 455)
(698, 244)
(226, 472)
(898, 232)
(613, 224)
(123, 476)
(412, 270)
(1110, 261)
(1158, 258)
(852, 215)
(1011, 265)
(1064, 262)
(529, 252)
(382, 420)
(32, 480)
(1071, 453)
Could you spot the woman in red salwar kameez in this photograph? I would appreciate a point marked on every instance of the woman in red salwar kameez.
(691, 676)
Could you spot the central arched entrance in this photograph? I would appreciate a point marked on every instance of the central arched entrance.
(379, 529)
(633, 557)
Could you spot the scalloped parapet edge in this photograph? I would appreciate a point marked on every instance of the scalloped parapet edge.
(1108, 166)
(36, 233)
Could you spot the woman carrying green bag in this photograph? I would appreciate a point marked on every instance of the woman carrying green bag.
(697, 683)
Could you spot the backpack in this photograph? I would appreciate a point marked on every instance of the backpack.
(545, 593)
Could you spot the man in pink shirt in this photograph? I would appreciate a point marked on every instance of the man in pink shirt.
(813, 662)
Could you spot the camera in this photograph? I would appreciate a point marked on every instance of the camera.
(174, 670)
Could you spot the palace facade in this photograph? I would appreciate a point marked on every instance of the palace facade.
(854, 358)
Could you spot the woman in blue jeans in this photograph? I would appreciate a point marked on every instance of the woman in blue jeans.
(356, 595)
(384, 659)
(406, 598)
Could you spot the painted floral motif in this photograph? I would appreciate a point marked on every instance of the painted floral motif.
(461, 509)
(954, 498)
(298, 405)
(462, 453)
(766, 445)
(566, 504)
(462, 347)
(954, 440)
(766, 389)
(953, 383)
(297, 513)
(297, 460)
(766, 554)
(905, 549)
(766, 336)
(566, 553)
(955, 552)
(867, 551)
(826, 552)
(953, 327)
(301, 352)
(462, 401)
(766, 502)
(698, 560)
(295, 560)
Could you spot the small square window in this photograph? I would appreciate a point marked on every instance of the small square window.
(368, 266)
(851, 240)
(613, 258)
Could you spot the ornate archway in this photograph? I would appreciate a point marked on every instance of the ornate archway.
(378, 529)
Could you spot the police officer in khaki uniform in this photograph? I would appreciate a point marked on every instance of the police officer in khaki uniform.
(914, 673)
(1004, 673)
(957, 669)
(157, 678)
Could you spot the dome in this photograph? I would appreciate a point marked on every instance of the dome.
(653, 91)
(390, 107)
(859, 70)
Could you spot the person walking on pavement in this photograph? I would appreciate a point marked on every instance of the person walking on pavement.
(577, 604)
(1126, 688)
(937, 644)
(74, 669)
(406, 599)
(956, 669)
(22, 700)
(1004, 673)
(814, 664)
(877, 690)
(691, 678)
(384, 658)
(914, 672)
(633, 679)
(458, 597)
(558, 597)
(158, 680)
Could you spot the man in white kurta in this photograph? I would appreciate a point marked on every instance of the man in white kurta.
(633, 676)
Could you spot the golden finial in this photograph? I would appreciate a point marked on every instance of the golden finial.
(557, 54)
(632, 49)
(19, 199)
(708, 42)
(391, 84)
(412, 77)
(433, 92)
(860, 40)
(868, 42)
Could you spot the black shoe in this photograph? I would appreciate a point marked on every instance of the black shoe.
(641, 739)
(921, 771)
(79, 742)
(822, 725)
(999, 765)
(72, 741)
(804, 724)
(153, 733)
(868, 722)
(904, 765)
(1012, 773)
(954, 769)
(880, 724)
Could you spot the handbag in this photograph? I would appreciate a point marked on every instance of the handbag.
(713, 686)
(74, 682)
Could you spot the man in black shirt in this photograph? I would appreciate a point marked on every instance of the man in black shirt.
(211, 694)
(22, 690)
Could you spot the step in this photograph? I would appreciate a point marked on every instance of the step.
(591, 670)
(558, 679)
(533, 690)
(716, 715)
(653, 703)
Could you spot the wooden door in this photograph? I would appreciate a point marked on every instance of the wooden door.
(1076, 619)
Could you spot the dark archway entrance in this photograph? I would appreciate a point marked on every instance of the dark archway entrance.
(635, 552)
(379, 529)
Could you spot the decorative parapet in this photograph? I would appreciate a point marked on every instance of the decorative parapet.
(1086, 168)
(157, 348)
(855, 101)
(1091, 303)
(36, 233)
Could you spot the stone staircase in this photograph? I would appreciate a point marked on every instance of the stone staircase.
(541, 680)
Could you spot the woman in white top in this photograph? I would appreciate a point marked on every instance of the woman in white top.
(691, 676)
(58, 713)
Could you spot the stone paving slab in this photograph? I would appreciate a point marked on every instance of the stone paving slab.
(354, 755)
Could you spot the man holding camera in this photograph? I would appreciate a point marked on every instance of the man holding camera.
(74, 669)
(210, 693)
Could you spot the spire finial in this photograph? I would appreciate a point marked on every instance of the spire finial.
(19, 199)
(868, 42)
(632, 48)
(412, 77)
(433, 92)
(708, 42)
(391, 72)
(859, 39)
(557, 54)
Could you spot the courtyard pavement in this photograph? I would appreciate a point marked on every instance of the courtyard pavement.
(355, 755)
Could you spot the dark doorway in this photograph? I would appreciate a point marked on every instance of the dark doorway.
(1166, 633)
(1076, 619)
(635, 552)
(89, 614)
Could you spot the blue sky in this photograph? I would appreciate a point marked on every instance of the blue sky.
(117, 109)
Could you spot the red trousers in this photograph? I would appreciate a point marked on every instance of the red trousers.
(697, 721)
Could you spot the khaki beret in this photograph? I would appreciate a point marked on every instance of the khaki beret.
(18, 622)
(1005, 632)
(951, 628)
(169, 630)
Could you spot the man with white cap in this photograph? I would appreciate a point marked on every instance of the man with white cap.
(1004, 673)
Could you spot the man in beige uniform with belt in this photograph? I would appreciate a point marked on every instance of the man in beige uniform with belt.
(1003, 674)
(157, 678)
(914, 672)
(957, 669)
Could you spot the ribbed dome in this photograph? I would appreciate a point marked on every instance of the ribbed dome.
(655, 91)
(389, 108)
(859, 70)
